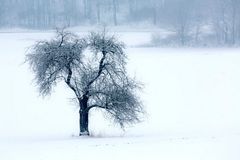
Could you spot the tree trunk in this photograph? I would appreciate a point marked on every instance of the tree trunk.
(85, 9)
(83, 120)
(98, 12)
(115, 12)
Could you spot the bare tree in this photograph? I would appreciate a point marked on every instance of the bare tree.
(115, 7)
(226, 21)
(98, 8)
(97, 78)
(2, 6)
(182, 21)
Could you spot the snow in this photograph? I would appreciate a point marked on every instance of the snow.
(191, 98)
(123, 148)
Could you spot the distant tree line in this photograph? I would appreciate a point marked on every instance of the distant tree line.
(51, 13)
(202, 22)
(188, 19)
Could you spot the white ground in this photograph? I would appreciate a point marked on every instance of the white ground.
(192, 97)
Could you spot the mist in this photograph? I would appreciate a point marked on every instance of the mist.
(187, 22)
(182, 56)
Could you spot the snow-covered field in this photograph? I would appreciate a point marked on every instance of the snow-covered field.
(192, 97)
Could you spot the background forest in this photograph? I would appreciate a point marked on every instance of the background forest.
(187, 22)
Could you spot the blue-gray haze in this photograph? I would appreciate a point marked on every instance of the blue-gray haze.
(188, 19)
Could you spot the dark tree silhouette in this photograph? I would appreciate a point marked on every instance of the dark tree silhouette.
(97, 76)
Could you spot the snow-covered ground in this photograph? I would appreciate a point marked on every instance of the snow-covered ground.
(192, 97)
